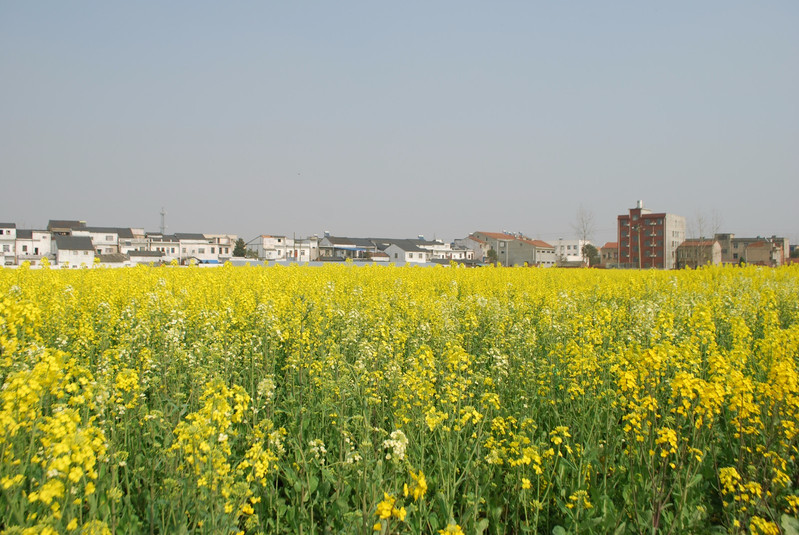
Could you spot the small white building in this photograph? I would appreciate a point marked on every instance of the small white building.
(570, 252)
(340, 247)
(104, 239)
(279, 248)
(8, 238)
(166, 244)
(402, 252)
(32, 246)
(132, 239)
(197, 248)
(73, 251)
(222, 245)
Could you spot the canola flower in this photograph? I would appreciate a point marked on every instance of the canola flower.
(380, 399)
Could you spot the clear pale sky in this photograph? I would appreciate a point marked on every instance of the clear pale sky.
(399, 118)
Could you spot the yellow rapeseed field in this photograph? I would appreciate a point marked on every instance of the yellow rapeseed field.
(378, 400)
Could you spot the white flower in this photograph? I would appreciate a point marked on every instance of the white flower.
(397, 444)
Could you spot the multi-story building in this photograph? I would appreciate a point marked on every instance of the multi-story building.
(649, 240)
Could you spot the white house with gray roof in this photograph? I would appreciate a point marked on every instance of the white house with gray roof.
(33, 245)
(401, 252)
(73, 251)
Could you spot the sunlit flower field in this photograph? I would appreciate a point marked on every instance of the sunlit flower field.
(377, 400)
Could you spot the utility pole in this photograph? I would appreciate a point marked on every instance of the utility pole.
(163, 221)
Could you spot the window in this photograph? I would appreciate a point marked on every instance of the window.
(6, 249)
(212, 250)
(184, 249)
(735, 256)
(201, 250)
(109, 238)
(24, 248)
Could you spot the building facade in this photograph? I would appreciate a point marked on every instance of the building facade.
(649, 240)
(695, 253)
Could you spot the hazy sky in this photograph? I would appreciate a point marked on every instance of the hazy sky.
(399, 118)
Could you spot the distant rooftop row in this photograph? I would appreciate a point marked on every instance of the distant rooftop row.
(645, 240)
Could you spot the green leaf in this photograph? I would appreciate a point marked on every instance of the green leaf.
(558, 530)
(695, 481)
(621, 529)
(481, 526)
(313, 483)
(790, 524)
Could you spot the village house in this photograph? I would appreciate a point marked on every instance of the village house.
(196, 249)
(341, 248)
(402, 252)
(8, 247)
(765, 251)
(695, 253)
(166, 244)
(64, 227)
(517, 249)
(570, 252)
(73, 251)
(609, 255)
(32, 246)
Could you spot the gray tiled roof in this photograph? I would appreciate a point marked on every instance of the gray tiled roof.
(113, 258)
(145, 253)
(8, 225)
(74, 243)
(120, 231)
(189, 236)
(65, 223)
(408, 246)
(24, 234)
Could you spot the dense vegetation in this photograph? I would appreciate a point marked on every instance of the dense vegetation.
(347, 399)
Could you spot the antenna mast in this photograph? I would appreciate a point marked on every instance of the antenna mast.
(163, 221)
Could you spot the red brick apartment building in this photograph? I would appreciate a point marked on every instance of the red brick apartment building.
(649, 240)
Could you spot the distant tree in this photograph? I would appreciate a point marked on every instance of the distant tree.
(795, 253)
(703, 227)
(492, 256)
(592, 254)
(583, 225)
(240, 249)
(251, 254)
